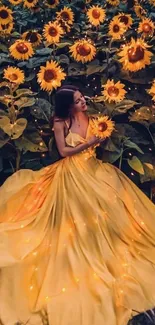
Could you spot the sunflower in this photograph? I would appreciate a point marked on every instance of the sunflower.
(96, 15)
(14, 75)
(114, 92)
(135, 55)
(30, 3)
(113, 2)
(32, 36)
(21, 50)
(15, 2)
(139, 10)
(5, 15)
(83, 51)
(6, 29)
(151, 91)
(146, 26)
(67, 15)
(152, 2)
(102, 127)
(53, 32)
(116, 28)
(50, 77)
(125, 19)
(65, 27)
(52, 3)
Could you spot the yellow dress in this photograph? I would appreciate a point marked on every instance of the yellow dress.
(77, 244)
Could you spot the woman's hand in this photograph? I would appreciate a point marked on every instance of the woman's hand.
(94, 140)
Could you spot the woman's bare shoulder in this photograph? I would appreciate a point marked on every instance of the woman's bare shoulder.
(58, 123)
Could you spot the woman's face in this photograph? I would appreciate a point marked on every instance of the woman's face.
(79, 103)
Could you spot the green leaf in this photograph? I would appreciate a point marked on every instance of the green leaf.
(130, 144)
(3, 48)
(35, 62)
(14, 130)
(99, 99)
(75, 70)
(15, 34)
(149, 174)
(61, 45)
(44, 51)
(77, 27)
(64, 59)
(3, 113)
(30, 77)
(4, 138)
(111, 157)
(91, 69)
(144, 113)
(142, 81)
(5, 84)
(95, 108)
(124, 105)
(150, 166)
(110, 146)
(5, 60)
(136, 164)
(25, 102)
(42, 109)
(33, 144)
(128, 131)
(24, 91)
(53, 151)
(110, 107)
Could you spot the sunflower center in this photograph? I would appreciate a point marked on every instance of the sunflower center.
(65, 15)
(32, 37)
(83, 49)
(96, 13)
(4, 14)
(13, 76)
(135, 54)
(113, 91)
(52, 31)
(49, 75)
(30, 1)
(124, 19)
(22, 48)
(102, 126)
(147, 28)
(116, 28)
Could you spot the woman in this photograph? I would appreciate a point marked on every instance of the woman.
(77, 238)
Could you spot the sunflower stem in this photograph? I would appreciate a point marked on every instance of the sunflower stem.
(120, 161)
(108, 56)
(151, 135)
(49, 97)
(18, 157)
(13, 169)
(54, 51)
(20, 29)
(121, 158)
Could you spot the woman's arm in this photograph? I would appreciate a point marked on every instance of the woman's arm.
(59, 128)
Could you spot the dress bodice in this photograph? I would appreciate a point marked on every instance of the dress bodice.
(74, 139)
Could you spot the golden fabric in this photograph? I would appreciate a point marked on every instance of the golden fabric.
(77, 244)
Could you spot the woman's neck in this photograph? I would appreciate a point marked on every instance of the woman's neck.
(78, 116)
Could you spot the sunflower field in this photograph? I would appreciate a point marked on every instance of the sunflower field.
(107, 48)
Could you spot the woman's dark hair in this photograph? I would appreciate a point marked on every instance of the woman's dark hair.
(64, 99)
